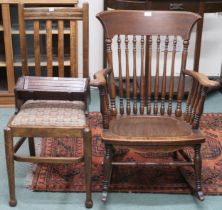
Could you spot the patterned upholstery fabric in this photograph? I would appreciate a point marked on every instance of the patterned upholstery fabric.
(51, 113)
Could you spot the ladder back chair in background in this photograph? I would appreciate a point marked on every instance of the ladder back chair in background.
(140, 121)
(63, 115)
(54, 48)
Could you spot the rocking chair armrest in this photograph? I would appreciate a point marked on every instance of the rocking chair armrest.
(202, 79)
(196, 97)
(100, 82)
(100, 78)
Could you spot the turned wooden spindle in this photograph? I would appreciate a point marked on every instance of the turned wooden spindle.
(156, 88)
(104, 107)
(120, 75)
(171, 83)
(107, 170)
(198, 168)
(199, 108)
(149, 85)
(192, 101)
(142, 84)
(189, 99)
(107, 96)
(181, 85)
(134, 77)
(163, 92)
(146, 67)
(128, 109)
(111, 81)
(196, 101)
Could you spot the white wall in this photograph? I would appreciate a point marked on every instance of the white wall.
(211, 53)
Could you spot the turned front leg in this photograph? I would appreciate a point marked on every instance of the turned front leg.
(107, 170)
(198, 168)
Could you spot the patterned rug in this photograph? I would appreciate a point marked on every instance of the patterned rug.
(68, 177)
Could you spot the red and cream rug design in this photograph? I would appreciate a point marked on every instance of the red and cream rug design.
(66, 178)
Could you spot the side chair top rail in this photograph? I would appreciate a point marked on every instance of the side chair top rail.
(57, 13)
(39, 2)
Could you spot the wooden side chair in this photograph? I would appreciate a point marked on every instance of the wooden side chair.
(142, 121)
(50, 107)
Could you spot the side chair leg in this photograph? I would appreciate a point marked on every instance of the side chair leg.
(197, 168)
(9, 153)
(87, 138)
(31, 146)
(107, 170)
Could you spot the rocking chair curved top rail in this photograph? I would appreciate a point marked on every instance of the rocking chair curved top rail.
(148, 22)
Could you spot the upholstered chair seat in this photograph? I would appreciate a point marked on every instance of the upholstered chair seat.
(51, 113)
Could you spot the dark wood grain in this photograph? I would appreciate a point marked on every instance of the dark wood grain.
(163, 95)
(156, 86)
(49, 17)
(142, 80)
(85, 44)
(73, 49)
(196, 6)
(22, 37)
(171, 83)
(11, 56)
(61, 47)
(8, 47)
(148, 23)
(53, 13)
(37, 48)
(49, 48)
(158, 129)
(120, 75)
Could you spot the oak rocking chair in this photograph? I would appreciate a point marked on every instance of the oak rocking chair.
(144, 121)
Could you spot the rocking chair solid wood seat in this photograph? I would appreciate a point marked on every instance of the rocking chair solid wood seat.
(143, 122)
(151, 130)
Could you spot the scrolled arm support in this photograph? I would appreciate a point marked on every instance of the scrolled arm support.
(202, 79)
(100, 78)
(100, 82)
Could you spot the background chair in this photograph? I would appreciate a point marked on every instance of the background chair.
(52, 49)
(58, 115)
(142, 121)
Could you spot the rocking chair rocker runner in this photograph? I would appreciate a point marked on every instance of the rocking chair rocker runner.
(153, 126)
